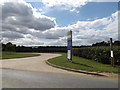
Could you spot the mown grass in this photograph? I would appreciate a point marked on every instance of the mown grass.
(83, 64)
(10, 55)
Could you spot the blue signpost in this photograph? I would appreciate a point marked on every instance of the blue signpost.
(69, 45)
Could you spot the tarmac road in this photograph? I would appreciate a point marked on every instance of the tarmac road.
(33, 72)
(26, 79)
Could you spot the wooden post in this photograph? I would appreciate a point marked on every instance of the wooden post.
(111, 52)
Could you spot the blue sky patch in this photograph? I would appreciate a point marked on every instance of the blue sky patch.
(89, 12)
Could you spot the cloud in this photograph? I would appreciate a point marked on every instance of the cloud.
(97, 30)
(28, 42)
(88, 32)
(55, 33)
(70, 5)
(23, 14)
(58, 42)
(23, 25)
(20, 19)
(11, 35)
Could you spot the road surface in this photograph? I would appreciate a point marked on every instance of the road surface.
(33, 72)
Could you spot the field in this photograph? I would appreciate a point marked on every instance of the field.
(83, 64)
(10, 55)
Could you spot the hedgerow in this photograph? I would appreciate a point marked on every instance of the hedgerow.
(99, 54)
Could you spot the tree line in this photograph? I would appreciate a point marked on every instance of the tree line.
(14, 48)
(103, 43)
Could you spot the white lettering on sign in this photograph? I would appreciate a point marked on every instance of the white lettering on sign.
(111, 53)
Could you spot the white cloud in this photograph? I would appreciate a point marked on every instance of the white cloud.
(23, 15)
(20, 19)
(28, 42)
(70, 5)
(21, 24)
(88, 32)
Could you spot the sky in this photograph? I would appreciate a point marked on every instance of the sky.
(46, 22)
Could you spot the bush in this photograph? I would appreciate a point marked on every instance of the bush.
(99, 54)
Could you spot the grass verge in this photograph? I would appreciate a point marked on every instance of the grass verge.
(79, 63)
(10, 55)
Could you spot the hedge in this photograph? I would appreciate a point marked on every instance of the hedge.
(99, 54)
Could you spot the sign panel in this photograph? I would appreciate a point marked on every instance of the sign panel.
(68, 56)
(69, 45)
(111, 53)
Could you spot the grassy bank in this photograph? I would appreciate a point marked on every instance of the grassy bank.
(83, 64)
(10, 55)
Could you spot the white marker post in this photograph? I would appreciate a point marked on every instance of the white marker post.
(111, 53)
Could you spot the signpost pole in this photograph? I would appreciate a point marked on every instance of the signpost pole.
(69, 45)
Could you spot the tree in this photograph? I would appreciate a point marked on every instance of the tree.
(103, 43)
(10, 47)
(117, 43)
